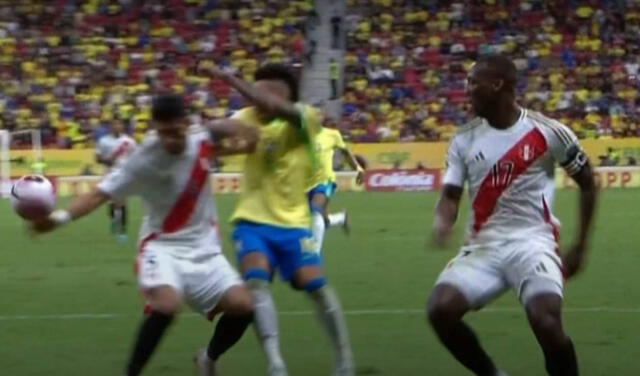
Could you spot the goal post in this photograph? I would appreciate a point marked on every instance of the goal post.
(6, 143)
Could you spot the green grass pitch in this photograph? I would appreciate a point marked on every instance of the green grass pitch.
(383, 274)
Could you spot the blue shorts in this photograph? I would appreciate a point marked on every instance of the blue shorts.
(328, 189)
(288, 249)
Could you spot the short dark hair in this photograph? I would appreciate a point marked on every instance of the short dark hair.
(501, 67)
(168, 107)
(281, 73)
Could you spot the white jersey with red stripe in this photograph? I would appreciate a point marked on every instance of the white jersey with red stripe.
(176, 192)
(510, 175)
(115, 149)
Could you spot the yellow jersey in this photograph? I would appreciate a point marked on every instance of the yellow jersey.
(277, 173)
(326, 142)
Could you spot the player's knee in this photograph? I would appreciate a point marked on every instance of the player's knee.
(546, 321)
(314, 284)
(257, 274)
(240, 301)
(170, 307)
(165, 300)
(446, 305)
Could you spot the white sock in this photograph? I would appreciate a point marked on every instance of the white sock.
(329, 313)
(337, 219)
(318, 227)
(266, 324)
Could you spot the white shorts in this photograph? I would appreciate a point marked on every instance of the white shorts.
(201, 282)
(483, 273)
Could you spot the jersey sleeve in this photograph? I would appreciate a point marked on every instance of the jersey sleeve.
(120, 182)
(101, 149)
(340, 141)
(311, 120)
(566, 149)
(456, 171)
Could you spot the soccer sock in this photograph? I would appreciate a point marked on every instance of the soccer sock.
(229, 330)
(266, 322)
(329, 313)
(149, 335)
(337, 219)
(123, 218)
(318, 227)
(111, 216)
(562, 362)
(117, 219)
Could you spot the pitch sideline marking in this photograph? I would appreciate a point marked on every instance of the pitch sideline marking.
(360, 312)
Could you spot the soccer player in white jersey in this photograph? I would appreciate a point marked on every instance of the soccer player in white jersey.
(507, 158)
(112, 149)
(180, 259)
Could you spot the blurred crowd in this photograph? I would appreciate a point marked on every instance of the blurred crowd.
(406, 63)
(70, 67)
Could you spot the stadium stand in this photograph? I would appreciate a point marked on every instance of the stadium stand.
(406, 60)
(68, 67)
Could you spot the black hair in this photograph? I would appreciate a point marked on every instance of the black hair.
(168, 107)
(501, 67)
(281, 73)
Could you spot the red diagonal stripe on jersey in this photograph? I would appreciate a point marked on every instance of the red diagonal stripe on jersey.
(186, 203)
(489, 194)
(123, 148)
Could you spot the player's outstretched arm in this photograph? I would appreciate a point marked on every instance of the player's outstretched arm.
(353, 162)
(573, 261)
(79, 207)
(264, 100)
(447, 210)
(233, 137)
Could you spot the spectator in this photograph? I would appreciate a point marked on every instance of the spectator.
(334, 73)
(336, 21)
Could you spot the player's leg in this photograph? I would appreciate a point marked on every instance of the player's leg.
(112, 212)
(256, 264)
(535, 274)
(545, 317)
(120, 219)
(302, 266)
(161, 284)
(319, 202)
(215, 287)
(469, 282)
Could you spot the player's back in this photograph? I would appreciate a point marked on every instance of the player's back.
(175, 189)
(510, 175)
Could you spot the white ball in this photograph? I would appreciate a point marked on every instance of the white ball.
(33, 197)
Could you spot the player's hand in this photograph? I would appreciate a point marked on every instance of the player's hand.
(442, 235)
(212, 70)
(42, 226)
(573, 261)
(360, 176)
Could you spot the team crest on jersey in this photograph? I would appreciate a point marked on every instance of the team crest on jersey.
(527, 152)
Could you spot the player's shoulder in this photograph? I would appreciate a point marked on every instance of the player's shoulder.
(469, 126)
(550, 127)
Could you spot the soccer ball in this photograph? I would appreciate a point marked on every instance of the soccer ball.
(33, 197)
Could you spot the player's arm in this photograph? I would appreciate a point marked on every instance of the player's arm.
(447, 210)
(448, 205)
(79, 207)
(263, 100)
(233, 137)
(574, 259)
(353, 162)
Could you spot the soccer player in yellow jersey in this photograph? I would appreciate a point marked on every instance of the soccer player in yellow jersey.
(272, 217)
(324, 185)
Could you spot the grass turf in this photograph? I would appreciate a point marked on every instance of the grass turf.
(383, 274)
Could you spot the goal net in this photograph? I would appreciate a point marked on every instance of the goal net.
(28, 140)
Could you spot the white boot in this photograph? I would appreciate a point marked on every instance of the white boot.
(206, 366)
